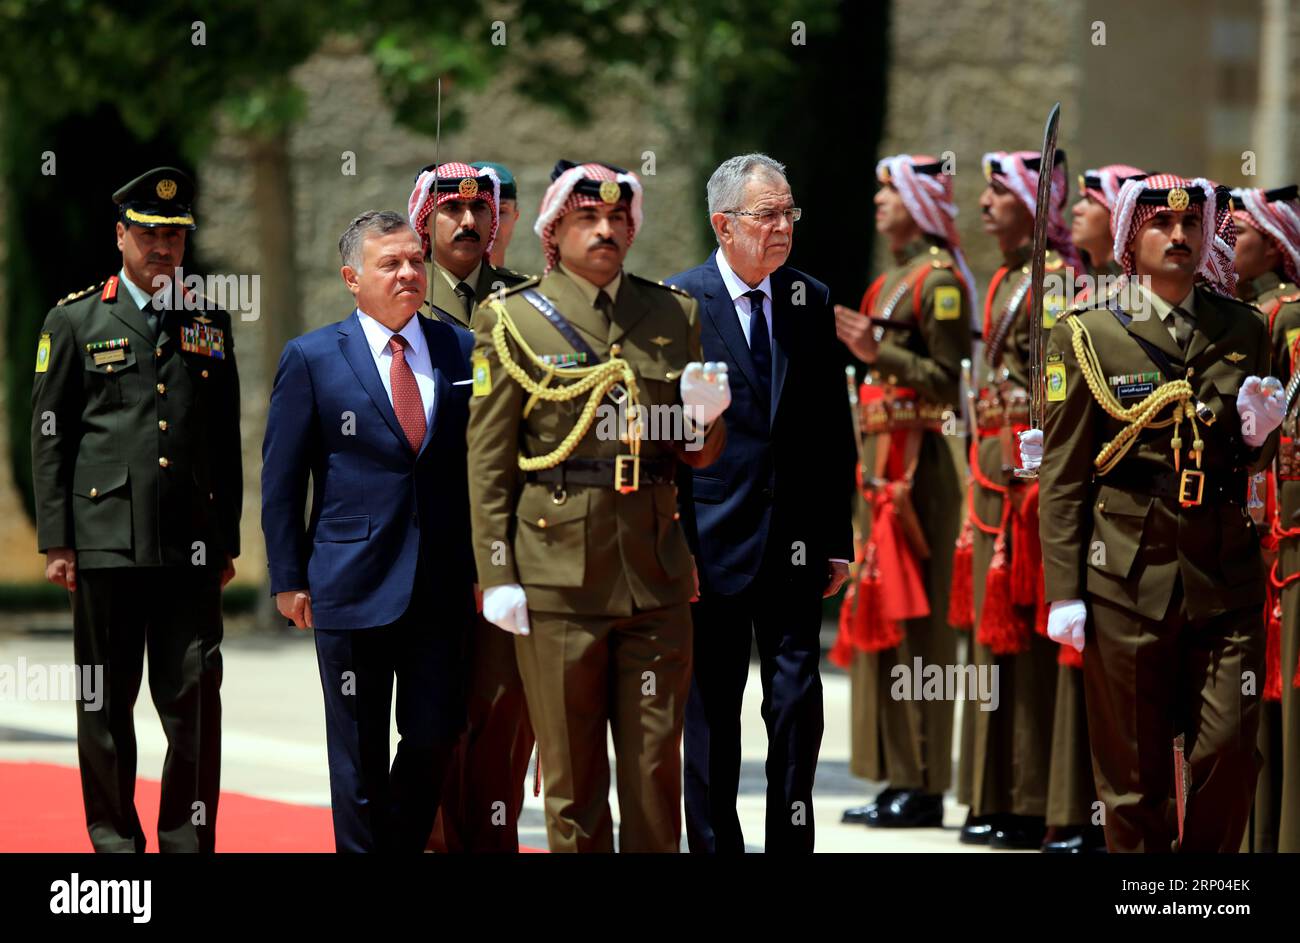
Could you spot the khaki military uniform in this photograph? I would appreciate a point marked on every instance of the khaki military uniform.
(608, 575)
(1277, 797)
(909, 742)
(1071, 792)
(485, 280)
(1174, 592)
(137, 466)
(1006, 752)
(483, 794)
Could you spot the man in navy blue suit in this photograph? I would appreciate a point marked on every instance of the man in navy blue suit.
(770, 521)
(374, 409)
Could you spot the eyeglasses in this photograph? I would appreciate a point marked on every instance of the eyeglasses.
(769, 217)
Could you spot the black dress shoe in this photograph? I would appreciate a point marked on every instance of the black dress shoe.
(908, 808)
(978, 829)
(1076, 840)
(859, 814)
(1019, 832)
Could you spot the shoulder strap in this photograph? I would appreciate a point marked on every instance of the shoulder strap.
(869, 299)
(1158, 356)
(558, 321)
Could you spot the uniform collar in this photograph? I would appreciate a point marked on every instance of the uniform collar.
(140, 296)
(1163, 308)
(471, 279)
(914, 248)
(1018, 256)
(592, 291)
(1265, 283)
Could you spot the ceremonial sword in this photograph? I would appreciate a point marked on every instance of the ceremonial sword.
(1037, 273)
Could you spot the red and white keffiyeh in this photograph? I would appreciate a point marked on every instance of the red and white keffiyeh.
(1278, 219)
(1109, 179)
(424, 200)
(929, 199)
(560, 199)
(1013, 173)
(1129, 216)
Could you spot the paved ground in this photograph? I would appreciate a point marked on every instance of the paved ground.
(274, 737)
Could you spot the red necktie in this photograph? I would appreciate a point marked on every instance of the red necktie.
(406, 393)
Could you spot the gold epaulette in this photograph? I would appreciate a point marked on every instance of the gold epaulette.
(658, 284)
(76, 295)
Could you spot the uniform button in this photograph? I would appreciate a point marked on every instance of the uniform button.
(162, 461)
(162, 424)
(204, 374)
(541, 522)
(211, 497)
(162, 388)
(109, 368)
(615, 349)
(94, 492)
(677, 515)
(157, 351)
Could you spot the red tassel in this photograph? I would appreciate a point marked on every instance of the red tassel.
(961, 595)
(872, 632)
(1026, 553)
(1273, 646)
(841, 652)
(1001, 628)
(1069, 657)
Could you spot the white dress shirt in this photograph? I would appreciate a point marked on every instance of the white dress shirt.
(417, 357)
(737, 288)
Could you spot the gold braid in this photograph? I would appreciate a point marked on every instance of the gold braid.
(1177, 393)
(595, 380)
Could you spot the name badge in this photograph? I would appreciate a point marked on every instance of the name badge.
(1135, 389)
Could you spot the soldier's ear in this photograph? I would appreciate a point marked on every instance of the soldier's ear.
(121, 236)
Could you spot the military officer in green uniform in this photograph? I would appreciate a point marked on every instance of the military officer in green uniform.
(1006, 752)
(137, 470)
(1156, 413)
(576, 530)
(909, 465)
(1267, 262)
(455, 209)
(484, 790)
(507, 211)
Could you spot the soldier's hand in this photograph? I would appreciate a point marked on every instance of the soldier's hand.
(837, 574)
(853, 328)
(506, 607)
(1031, 448)
(1066, 622)
(1260, 404)
(61, 567)
(295, 605)
(227, 572)
(706, 391)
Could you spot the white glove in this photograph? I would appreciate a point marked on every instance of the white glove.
(706, 392)
(506, 607)
(1065, 622)
(1265, 400)
(1031, 448)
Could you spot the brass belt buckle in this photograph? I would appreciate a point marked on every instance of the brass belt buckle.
(627, 473)
(1188, 481)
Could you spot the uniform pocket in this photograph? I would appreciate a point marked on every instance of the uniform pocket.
(117, 382)
(1118, 520)
(550, 538)
(101, 507)
(674, 553)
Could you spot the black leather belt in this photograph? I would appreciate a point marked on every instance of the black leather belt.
(600, 472)
(1188, 486)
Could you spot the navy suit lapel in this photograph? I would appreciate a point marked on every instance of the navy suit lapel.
(352, 343)
(781, 338)
(721, 311)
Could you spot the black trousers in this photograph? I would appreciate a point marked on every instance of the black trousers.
(784, 616)
(175, 614)
(425, 652)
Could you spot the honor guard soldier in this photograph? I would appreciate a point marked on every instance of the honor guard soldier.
(137, 470)
(1155, 415)
(576, 530)
(1072, 826)
(507, 211)
(1268, 272)
(916, 334)
(1006, 752)
(455, 209)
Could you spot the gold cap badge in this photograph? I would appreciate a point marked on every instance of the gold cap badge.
(166, 188)
(1177, 199)
(610, 192)
(468, 188)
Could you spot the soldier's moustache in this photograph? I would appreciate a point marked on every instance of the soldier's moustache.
(602, 241)
(466, 235)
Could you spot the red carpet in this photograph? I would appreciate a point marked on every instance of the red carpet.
(41, 811)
